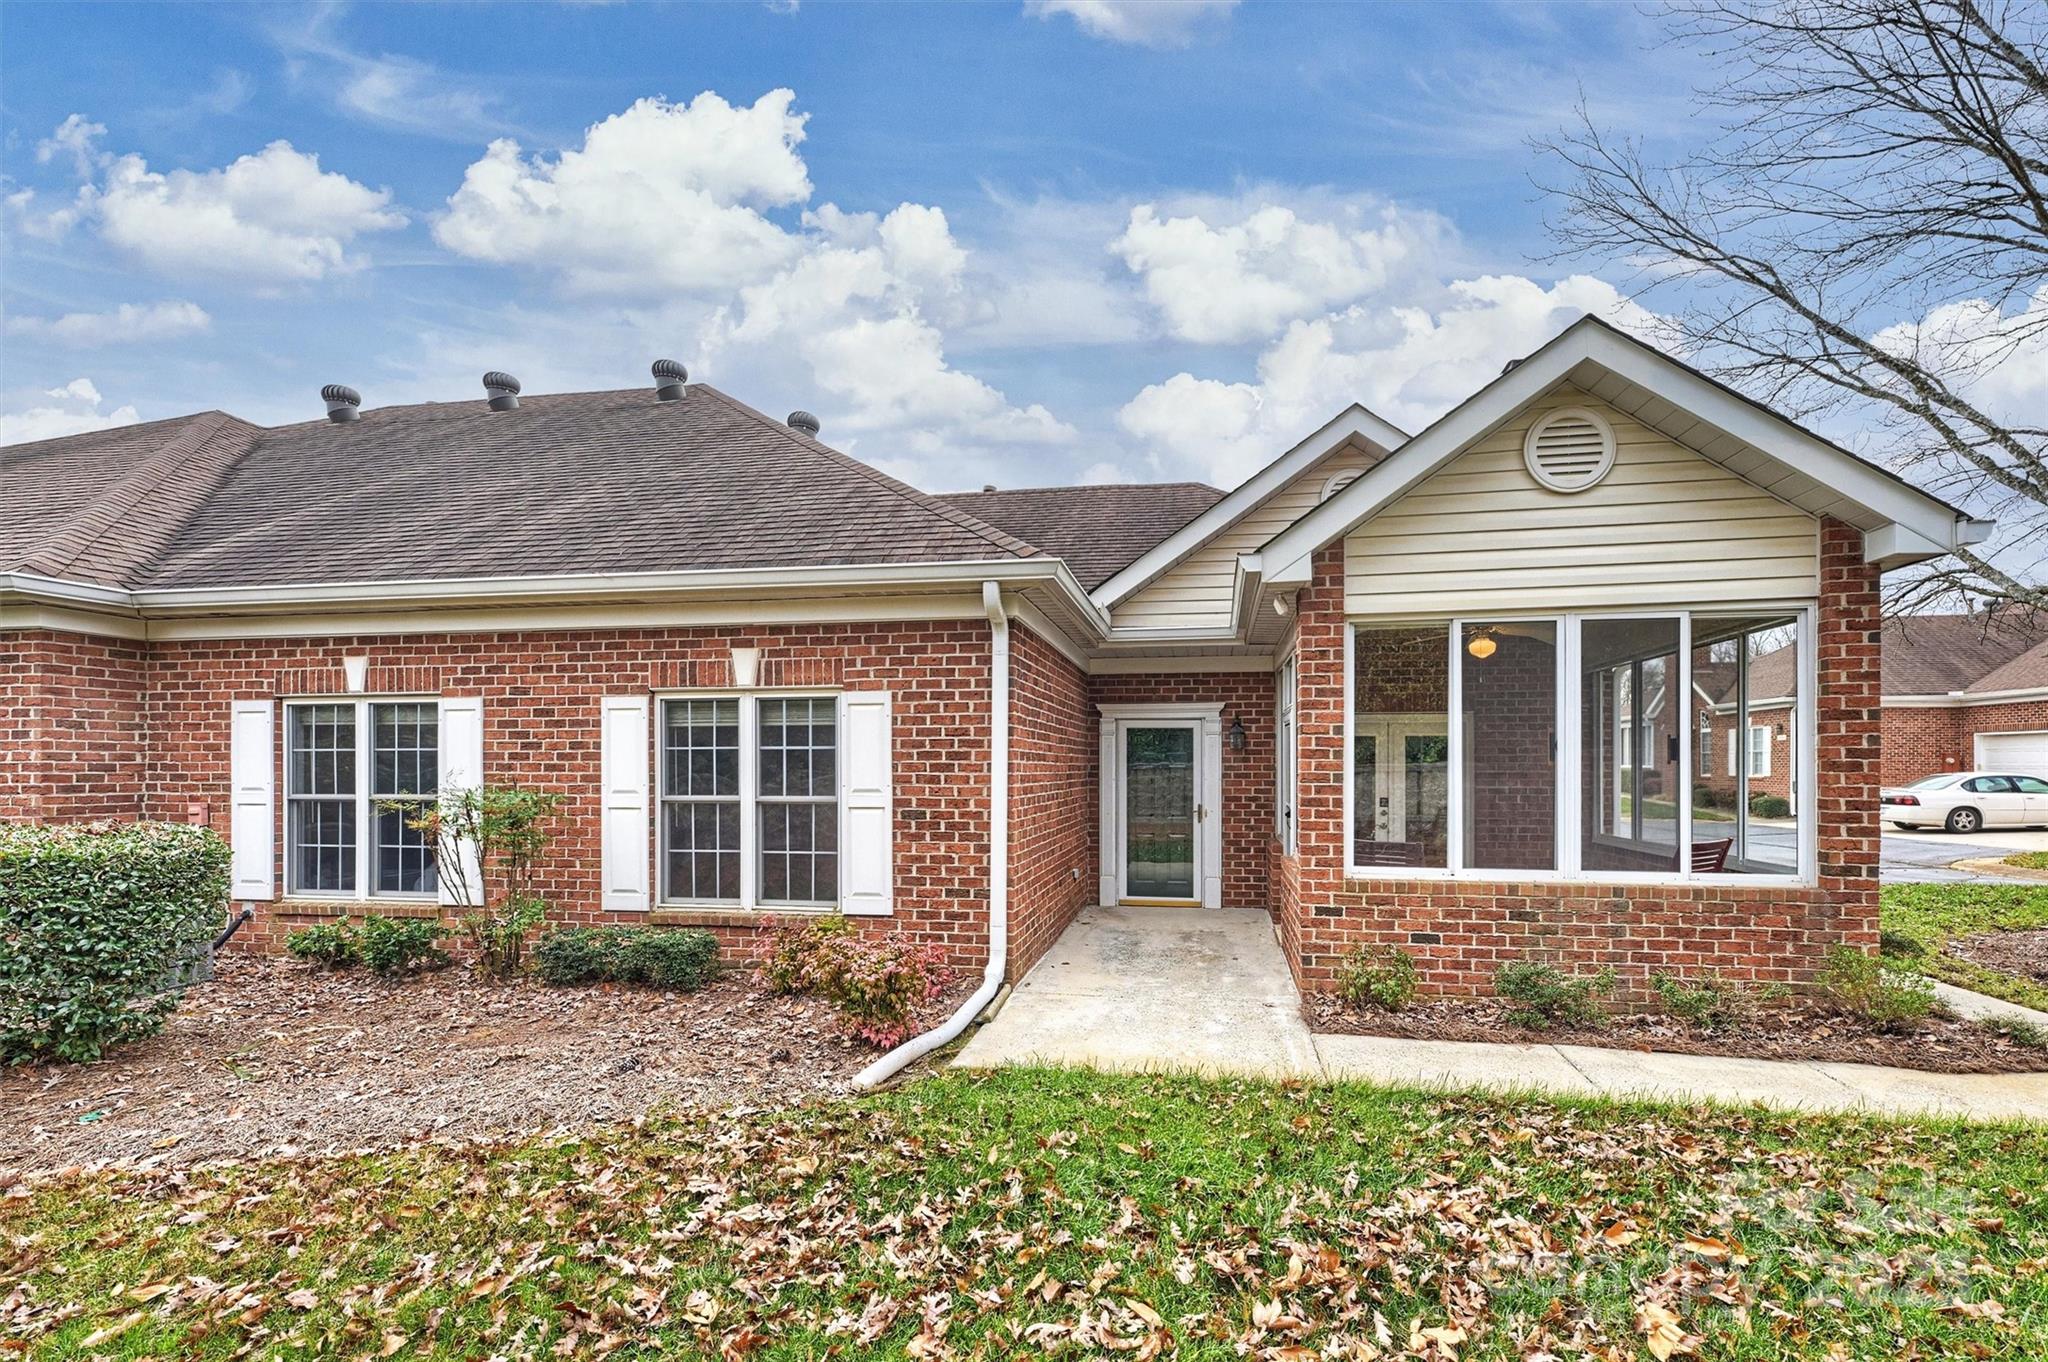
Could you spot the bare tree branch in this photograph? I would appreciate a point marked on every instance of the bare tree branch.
(1862, 237)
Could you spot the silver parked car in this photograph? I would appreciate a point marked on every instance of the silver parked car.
(1968, 801)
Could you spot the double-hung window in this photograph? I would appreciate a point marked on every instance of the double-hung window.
(750, 800)
(356, 774)
(1556, 746)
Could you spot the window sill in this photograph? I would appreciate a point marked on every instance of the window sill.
(683, 915)
(292, 907)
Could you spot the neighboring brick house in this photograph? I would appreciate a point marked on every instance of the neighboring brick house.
(1458, 692)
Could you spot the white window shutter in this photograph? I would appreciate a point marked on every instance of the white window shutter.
(1734, 753)
(252, 773)
(462, 768)
(867, 816)
(624, 775)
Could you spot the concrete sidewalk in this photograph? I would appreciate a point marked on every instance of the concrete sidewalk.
(1209, 991)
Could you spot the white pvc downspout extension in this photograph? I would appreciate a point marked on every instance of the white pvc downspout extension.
(998, 858)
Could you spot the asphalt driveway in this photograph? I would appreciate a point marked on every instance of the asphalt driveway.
(1925, 857)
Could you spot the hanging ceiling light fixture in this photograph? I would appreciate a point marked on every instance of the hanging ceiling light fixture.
(1482, 644)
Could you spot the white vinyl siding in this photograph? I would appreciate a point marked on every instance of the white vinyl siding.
(1665, 527)
(1195, 593)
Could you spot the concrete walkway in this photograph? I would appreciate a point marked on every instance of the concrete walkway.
(1209, 991)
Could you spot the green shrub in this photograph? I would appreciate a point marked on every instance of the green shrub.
(97, 924)
(330, 945)
(1377, 976)
(577, 955)
(1769, 806)
(681, 959)
(1712, 1002)
(2021, 1031)
(487, 843)
(498, 935)
(1548, 996)
(684, 960)
(803, 953)
(398, 945)
(1899, 944)
(1863, 986)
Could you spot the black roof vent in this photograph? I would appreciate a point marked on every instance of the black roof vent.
(502, 389)
(805, 422)
(669, 378)
(1509, 367)
(342, 402)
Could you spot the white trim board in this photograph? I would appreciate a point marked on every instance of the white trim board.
(1353, 424)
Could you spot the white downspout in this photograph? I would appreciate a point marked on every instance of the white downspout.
(998, 857)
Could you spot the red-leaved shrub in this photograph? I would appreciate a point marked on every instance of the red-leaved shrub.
(878, 983)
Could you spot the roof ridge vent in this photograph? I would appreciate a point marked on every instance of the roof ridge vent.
(805, 422)
(1570, 449)
(342, 403)
(669, 378)
(502, 389)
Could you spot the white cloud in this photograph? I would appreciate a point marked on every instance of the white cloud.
(1143, 23)
(665, 206)
(73, 409)
(1999, 359)
(127, 323)
(1407, 364)
(391, 89)
(270, 218)
(76, 137)
(660, 196)
(1233, 271)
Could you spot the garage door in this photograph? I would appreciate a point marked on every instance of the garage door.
(2024, 754)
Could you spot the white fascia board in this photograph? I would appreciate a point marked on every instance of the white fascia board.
(57, 591)
(1589, 340)
(1353, 423)
(1966, 699)
(615, 586)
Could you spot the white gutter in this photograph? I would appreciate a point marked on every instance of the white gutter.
(949, 1030)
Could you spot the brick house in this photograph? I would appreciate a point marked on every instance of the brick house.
(1452, 691)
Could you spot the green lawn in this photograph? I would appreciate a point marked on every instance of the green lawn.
(1042, 1213)
(2029, 860)
(1929, 914)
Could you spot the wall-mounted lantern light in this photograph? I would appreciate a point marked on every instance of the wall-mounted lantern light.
(1237, 736)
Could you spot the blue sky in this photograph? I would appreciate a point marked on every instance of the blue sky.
(1006, 243)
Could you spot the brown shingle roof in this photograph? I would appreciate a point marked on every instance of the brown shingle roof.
(1098, 530)
(100, 507)
(566, 483)
(1936, 654)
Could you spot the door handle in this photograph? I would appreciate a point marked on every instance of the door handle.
(1201, 813)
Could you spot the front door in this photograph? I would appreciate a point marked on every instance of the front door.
(1162, 812)
(1401, 768)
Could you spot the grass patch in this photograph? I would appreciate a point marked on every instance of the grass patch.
(1037, 1212)
(2029, 860)
(1927, 915)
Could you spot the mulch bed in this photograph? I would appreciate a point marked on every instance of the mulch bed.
(274, 1058)
(1795, 1030)
(2023, 953)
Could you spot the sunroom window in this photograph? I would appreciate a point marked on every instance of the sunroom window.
(750, 800)
(352, 766)
(1579, 745)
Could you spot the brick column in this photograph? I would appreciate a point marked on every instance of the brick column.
(1849, 710)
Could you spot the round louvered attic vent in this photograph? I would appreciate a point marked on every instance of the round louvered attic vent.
(1570, 449)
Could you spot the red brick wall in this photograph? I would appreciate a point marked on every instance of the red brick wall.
(1053, 794)
(541, 696)
(1925, 742)
(1460, 932)
(1247, 775)
(72, 727)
